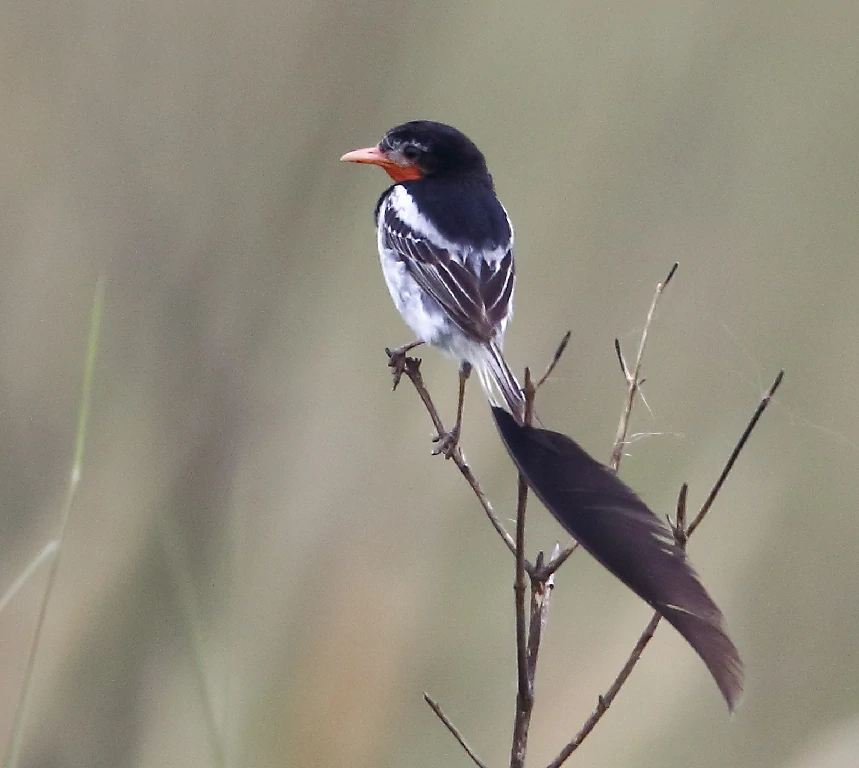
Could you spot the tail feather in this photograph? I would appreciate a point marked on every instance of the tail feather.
(606, 517)
(497, 379)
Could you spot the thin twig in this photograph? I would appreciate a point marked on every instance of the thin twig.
(604, 701)
(453, 729)
(412, 368)
(681, 536)
(558, 559)
(632, 377)
(711, 497)
(555, 359)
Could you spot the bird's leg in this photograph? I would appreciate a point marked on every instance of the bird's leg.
(397, 360)
(448, 441)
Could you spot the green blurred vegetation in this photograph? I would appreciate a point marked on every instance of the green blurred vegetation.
(257, 507)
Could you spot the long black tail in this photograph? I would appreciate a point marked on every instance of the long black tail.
(618, 529)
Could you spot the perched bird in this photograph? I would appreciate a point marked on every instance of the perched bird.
(446, 246)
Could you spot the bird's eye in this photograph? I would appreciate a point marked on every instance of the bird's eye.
(411, 152)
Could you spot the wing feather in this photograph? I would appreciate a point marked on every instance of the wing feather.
(476, 292)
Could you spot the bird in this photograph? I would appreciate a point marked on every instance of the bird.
(446, 246)
(446, 249)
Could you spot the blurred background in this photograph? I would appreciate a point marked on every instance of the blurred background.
(263, 565)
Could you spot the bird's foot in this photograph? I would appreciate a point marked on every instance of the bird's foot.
(399, 362)
(447, 443)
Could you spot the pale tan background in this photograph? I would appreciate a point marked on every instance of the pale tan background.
(256, 501)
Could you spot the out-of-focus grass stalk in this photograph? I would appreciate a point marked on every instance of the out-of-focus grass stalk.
(189, 609)
(14, 748)
(13, 590)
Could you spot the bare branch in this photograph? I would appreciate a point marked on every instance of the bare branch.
(453, 729)
(524, 692)
(541, 592)
(604, 701)
(729, 465)
(411, 367)
(632, 377)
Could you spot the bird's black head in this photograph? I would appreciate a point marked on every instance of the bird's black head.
(435, 148)
(424, 149)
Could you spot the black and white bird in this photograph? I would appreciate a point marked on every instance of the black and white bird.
(446, 246)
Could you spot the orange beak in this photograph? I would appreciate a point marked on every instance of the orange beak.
(375, 156)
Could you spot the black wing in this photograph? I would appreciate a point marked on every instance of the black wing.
(475, 292)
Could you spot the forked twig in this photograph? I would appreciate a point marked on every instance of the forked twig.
(557, 561)
(632, 377)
